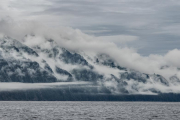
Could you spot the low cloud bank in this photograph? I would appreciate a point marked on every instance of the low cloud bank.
(28, 86)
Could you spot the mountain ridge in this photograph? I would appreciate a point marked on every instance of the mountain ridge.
(47, 62)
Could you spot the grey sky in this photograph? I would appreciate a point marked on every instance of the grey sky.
(156, 23)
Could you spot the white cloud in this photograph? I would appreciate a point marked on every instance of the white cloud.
(151, 20)
(118, 38)
(173, 57)
(28, 86)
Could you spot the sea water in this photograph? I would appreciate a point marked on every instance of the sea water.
(89, 111)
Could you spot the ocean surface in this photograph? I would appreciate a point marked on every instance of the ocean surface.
(89, 111)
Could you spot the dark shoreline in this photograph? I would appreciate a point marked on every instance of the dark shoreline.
(65, 95)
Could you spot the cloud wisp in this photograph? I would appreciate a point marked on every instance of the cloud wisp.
(29, 86)
(155, 23)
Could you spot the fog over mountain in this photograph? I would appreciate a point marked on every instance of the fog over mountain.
(35, 55)
(38, 54)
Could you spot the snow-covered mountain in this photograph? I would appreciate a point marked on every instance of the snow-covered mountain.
(46, 62)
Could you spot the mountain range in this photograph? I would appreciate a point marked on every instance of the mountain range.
(47, 62)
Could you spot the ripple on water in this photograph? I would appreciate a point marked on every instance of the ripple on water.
(89, 111)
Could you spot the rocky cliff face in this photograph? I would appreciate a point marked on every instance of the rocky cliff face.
(18, 64)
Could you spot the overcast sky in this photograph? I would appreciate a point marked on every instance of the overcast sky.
(150, 26)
